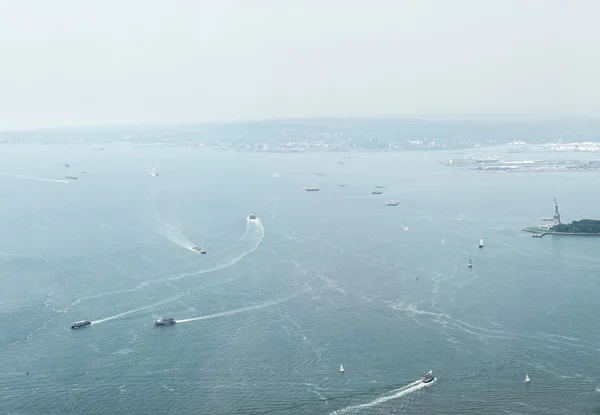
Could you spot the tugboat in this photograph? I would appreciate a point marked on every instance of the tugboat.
(393, 203)
(164, 321)
(427, 377)
(251, 216)
(81, 324)
(198, 249)
(311, 189)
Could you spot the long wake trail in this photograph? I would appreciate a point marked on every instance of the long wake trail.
(248, 243)
(40, 179)
(135, 310)
(395, 394)
(240, 310)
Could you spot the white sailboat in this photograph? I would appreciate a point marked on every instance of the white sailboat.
(341, 369)
(527, 379)
(481, 242)
(470, 264)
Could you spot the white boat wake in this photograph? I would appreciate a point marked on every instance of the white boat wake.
(154, 171)
(40, 179)
(135, 310)
(248, 243)
(174, 234)
(241, 310)
(395, 394)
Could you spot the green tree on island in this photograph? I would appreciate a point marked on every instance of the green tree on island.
(579, 226)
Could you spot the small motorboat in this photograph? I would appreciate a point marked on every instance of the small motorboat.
(165, 321)
(427, 377)
(393, 203)
(155, 173)
(251, 216)
(481, 242)
(81, 324)
(198, 249)
(376, 192)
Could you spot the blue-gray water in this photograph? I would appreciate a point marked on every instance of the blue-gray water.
(324, 279)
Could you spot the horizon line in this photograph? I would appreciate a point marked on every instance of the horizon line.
(430, 118)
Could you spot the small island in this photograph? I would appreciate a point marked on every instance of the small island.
(584, 227)
(588, 226)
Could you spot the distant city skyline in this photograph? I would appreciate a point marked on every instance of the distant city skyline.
(68, 63)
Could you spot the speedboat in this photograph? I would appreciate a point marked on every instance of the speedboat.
(155, 173)
(81, 324)
(393, 203)
(198, 249)
(427, 377)
(251, 216)
(164, 321)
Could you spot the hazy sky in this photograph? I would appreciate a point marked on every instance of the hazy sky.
(77, 62)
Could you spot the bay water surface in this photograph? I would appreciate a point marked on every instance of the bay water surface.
(325, 278)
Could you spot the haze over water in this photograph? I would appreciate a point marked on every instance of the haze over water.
(325, 278)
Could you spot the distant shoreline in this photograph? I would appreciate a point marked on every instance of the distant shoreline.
(536, 230)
